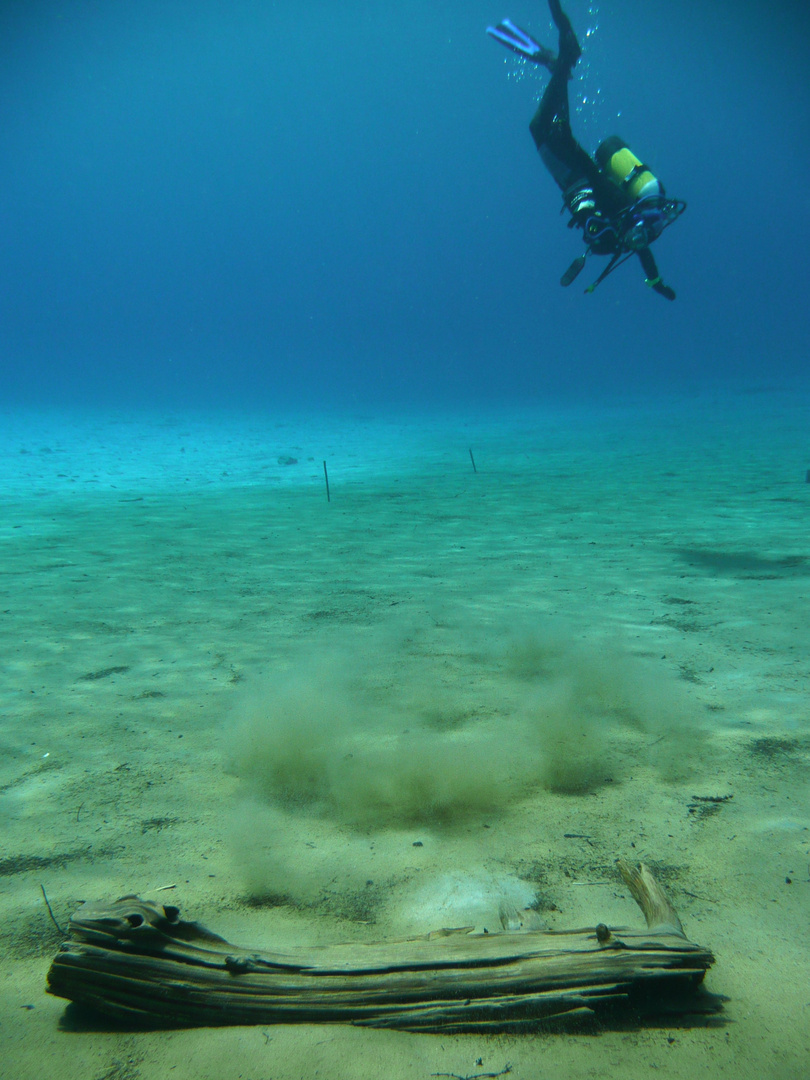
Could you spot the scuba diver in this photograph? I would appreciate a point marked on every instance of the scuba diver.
(616, 200)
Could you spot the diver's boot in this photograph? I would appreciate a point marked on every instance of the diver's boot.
(546, 58)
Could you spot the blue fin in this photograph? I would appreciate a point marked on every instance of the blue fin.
(520, 42)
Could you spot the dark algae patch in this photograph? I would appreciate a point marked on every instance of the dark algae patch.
(22, 864)
(105, 673)
(771, 746)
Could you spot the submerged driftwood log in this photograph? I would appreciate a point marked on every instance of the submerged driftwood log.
(141, 963)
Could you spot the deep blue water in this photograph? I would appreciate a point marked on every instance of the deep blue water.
(251, 202)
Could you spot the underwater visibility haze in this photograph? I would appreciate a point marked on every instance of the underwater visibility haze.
(210, 203)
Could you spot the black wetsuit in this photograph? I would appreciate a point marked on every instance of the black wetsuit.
(586, 190)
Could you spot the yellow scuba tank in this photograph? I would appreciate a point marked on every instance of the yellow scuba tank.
(618, 162)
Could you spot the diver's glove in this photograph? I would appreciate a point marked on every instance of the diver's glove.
(657, 285)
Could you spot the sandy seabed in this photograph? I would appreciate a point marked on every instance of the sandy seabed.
(442, 693)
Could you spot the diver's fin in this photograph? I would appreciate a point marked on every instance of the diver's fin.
(570, 51)
(520, 42)
(573, 270)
